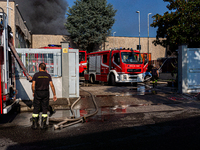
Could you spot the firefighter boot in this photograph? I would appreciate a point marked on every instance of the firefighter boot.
(51, 110)
(43, 123)
(156, 82)
(35, 123)
(153, 82)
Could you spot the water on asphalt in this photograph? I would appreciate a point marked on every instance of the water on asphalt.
(119, 121)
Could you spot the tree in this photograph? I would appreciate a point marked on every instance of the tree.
(89, 22)
(179, 26)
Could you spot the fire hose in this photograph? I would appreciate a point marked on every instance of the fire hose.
(148, 78)
(73, 121)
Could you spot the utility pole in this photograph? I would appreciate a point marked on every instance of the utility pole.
(148, 33)
(114, 38)
(139, 27)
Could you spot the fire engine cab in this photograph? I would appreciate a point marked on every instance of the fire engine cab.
(116, 66)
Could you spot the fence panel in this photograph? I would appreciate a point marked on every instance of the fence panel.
(193, 68)
(31, 59)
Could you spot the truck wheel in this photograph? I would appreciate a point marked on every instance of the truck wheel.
(92, 80)
(112, 80)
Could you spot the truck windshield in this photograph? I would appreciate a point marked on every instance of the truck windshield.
(131, 58)
(81, 56)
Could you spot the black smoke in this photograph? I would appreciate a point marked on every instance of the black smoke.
(44, 16)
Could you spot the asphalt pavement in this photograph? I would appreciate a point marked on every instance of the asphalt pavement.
(121, 95)
(128, 117)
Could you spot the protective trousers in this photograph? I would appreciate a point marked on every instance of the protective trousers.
(155, 80)
(41, 98)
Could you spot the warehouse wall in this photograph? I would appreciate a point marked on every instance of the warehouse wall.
(112, 42)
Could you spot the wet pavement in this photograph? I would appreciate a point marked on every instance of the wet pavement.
(139, 117)
(143, 94)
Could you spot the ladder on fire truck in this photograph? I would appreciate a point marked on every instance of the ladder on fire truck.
(7, 96)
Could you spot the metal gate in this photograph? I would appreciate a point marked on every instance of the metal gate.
(193, 68)
(31, 59)
(188, 69)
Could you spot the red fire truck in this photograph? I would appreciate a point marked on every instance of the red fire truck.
(8, 55)
(82, 57)
(116, 66)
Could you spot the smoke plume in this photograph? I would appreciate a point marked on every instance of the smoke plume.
(44, 16)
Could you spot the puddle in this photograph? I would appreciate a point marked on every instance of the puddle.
(104, 113)
(141, 90)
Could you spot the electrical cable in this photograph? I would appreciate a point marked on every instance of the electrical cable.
(162, 64)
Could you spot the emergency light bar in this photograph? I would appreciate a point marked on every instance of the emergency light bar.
(53, 45)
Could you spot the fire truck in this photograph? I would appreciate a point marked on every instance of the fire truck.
(116, 66)
(8, 55)
(82, 57)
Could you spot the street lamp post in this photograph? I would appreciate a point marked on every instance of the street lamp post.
(7, 10)
(148, 32)
(114, 38)
(139, 27)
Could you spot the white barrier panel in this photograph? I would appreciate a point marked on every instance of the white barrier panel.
(24, 88)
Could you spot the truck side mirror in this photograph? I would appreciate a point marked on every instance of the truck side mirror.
(146, 61)
(118, 60)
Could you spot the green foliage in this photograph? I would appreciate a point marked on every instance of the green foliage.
(89, 22)
(179, 26)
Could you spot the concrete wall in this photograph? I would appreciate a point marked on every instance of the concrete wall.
(25, 92)
(42, 40)
(132, 42)
(112, 42)
(21, 34)
(11, 17)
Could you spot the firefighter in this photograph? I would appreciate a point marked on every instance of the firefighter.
(155, 75)
(50, 108)
(40, 88)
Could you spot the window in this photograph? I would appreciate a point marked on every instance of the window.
(81, 56)
(105, 58)
(131, 58)
(116, 58)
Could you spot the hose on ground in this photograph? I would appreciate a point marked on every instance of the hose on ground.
(148, 78)
(79, 119)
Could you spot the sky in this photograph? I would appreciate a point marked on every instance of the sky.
(127, 20)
